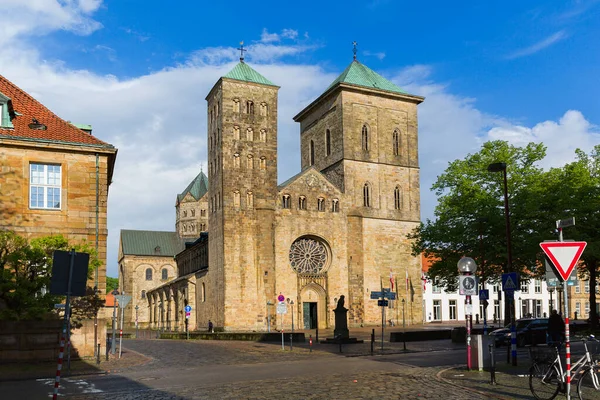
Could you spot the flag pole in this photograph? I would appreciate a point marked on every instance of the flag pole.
(407, 289)
(397, 298)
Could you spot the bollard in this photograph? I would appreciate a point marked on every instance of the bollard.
(98, 355)
(310, 343)
(492, 366)
(317, 334)
(372, 340)
(291, 345)
(107, 349)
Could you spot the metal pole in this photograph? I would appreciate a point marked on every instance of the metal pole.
(382, 315)
(292, 335)
(403, 324)
(469, 323)
(136, 321)
(510, 268)
(567, 333)
(282, 345)
(121, 331)
(114, 325)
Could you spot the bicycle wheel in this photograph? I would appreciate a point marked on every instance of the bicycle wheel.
(544, 380)
(586, 389)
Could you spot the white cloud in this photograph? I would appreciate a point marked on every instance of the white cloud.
(541, 45)
(289, 33)
(158, 122)
(379, 55)
(267, 37)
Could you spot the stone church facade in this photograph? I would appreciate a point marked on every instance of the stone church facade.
(337, 228)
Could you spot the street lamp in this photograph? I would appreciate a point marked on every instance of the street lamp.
(509, 303)
(291, 303)
(550, 290)
(467, 266)
(136, 320)
(115, 293)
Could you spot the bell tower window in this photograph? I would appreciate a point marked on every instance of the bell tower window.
(249, 134)
(236, 105)
(285, 201)
(312, 153)
(367, 195)
(302, 203)
(365, 138)
(397, 198)
(327, 142)
(249, 107)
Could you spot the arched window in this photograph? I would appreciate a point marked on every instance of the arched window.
(236, 160)
(263, 109)
(301, 203)
(165, 274)
(249, 107)
(143, 295)
(263, 135)
(148, 274)
(321, 204)
(236, 199)
(249, 200)
(236, 132)
(312, 153)
(203, 292)
(397, 198)
(250, 162)
(285, 201)
(367, 195)
(327, 142)
(193, 213)
(396, 142)
(184, 213)
(249, 134)
(236, 105)
(335, 205)
(263, 163)
(365, 138)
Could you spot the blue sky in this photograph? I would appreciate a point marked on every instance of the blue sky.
(138, 71)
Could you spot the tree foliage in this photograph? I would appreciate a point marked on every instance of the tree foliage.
(111, 284)
(25, 274)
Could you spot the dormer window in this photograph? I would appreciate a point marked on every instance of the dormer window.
(5, 121)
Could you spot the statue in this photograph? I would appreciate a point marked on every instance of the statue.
(341, 320)
(340, 303)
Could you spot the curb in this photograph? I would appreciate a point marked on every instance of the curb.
(439, 377)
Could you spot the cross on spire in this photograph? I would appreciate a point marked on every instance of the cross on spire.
(242, 50)
(354, 50)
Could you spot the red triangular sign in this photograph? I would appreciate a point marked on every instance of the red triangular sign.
(564, 255)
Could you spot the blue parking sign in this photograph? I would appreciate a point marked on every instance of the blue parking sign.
(188, 308)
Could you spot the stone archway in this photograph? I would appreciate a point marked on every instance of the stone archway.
(312, 310)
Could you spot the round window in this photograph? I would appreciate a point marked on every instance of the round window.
(308, 256)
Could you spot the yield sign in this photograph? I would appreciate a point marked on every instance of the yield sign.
(564, 255)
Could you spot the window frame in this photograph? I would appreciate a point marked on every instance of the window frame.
(45, 186)
(149, 274)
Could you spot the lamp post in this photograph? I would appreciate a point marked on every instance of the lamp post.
(403, 326)
(509, 303)
(136, 320)
(291, 303)
(114, 322)
(550, 290)
(467, 266)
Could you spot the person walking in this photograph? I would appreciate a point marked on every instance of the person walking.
(210, 326)
(556, 328)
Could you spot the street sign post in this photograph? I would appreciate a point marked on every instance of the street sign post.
(467, 285)
(563, 255)
(510, 281)
(123, 300)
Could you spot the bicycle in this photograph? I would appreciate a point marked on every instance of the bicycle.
(547, 378)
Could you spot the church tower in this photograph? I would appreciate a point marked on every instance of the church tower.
(362, 134)
(242, 168)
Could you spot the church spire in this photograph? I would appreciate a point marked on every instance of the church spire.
(354, 50)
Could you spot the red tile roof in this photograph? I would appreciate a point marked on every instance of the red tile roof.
(27, 108)
(110, 300)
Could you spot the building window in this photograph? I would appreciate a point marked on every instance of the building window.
(586, 286)
(236, 105)
(249, 107)
(321, 204)
(263, 135)
(452, 310)
(44, 186)
(184, 213)
(249, 134)
(263, 163)
(263, 109)
(578, 308)
(365, 138)
(327, 142)
(335, 205)
(249, 200)
(301, 203)
(587, 307)
(397, 198)
(203, 213)
(203, 292)
(165, 274)
(285, 201)
(312, 153)
(236, 199)
(367, 195)
(143, 295)
(193, 213)
(578, 287)
(148, 274)
(250, 162)
(437, 308)
(537, 286)
(203, 227)
(236, 132)
(236, 160)
(435, 287)
(538, 309)
(396, 142)
(524, 287)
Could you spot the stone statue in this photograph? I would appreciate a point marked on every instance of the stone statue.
(341, 320)
(340, 303)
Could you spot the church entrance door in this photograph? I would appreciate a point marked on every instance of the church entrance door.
(310, 315)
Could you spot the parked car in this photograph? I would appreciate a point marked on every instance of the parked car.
(529, 331)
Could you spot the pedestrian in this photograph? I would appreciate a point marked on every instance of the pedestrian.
(556, 328)
(210, 326)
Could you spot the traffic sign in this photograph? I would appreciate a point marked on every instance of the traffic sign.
(59, 305)
(563, 255)
(382, 303)
(281, 308)
(510, 281)
(468, 309)
(188, 308)
(280, 298)
(467, 285)
(390, 295)
(187, 315)
(484, 294)
(123, 300)
(376, 295)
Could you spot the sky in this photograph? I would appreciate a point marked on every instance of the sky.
(139, 71)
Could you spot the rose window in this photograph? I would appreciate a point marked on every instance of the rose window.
(308, 256)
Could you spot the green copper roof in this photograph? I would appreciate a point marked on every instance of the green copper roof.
(197, 188)
(243, 72)
(361, 75)
(151, 243)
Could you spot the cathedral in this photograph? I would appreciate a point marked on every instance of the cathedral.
(244, 242)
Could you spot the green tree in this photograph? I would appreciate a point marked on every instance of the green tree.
(111, 284)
